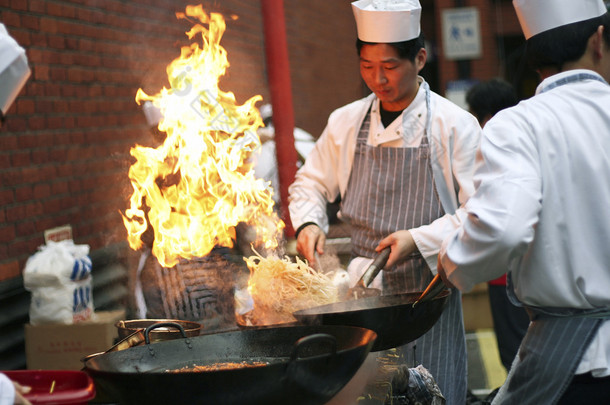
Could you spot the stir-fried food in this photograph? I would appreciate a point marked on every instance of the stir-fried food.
(279, 287)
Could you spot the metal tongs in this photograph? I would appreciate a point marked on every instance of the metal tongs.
(361, 290)
(432, 290)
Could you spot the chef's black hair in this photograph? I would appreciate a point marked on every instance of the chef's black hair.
(406, 49)
(568, 43)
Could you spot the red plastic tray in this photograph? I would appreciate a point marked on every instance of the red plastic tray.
(55, 387)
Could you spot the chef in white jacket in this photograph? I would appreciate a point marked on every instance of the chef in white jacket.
(541, 208)
(401, 158)
(14, 72)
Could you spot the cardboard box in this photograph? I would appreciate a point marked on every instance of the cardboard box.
(61, 347)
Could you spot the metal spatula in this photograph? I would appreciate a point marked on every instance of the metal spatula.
(361, 290)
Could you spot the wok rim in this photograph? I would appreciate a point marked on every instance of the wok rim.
(319, 310)
(368, 338)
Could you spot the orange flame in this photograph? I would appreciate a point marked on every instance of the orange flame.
(197, 186)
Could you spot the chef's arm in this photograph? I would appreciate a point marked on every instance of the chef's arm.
(316, 183)
(425, 240)
(501, 217)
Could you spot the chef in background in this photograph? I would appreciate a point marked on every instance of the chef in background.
(400, 159)
(14, 72)
(541, 208)
(265, 161)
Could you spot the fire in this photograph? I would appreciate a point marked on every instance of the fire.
(197, 186)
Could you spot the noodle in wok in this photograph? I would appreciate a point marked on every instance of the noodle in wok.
(280, 287)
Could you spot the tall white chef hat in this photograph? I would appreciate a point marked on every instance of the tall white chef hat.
(387, 21)
(14, 69)
(536, 16)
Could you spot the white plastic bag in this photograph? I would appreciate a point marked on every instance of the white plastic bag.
(59, 278)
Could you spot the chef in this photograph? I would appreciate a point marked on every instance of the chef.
(14, 72)
(401, 158)
(541, 208)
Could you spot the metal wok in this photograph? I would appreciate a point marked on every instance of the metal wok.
(303, 365)
(393, 317)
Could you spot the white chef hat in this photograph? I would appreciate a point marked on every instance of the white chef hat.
(387, 21)
(536, 16)
(14, 69)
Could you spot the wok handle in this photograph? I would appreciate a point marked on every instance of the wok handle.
(380, 260)
(159, 325)
(434, 288)
(311, 339)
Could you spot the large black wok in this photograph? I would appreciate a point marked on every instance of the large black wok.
(393, 317)
(303, 365)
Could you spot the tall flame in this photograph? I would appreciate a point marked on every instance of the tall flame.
(197, 186)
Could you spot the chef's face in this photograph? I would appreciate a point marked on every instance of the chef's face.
(392, 79)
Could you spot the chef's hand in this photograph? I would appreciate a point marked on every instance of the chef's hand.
(311, 239)
(20, 390)
(402, 245)
(441, 271)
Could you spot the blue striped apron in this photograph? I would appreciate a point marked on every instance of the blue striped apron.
(391, 189)
(556, 339)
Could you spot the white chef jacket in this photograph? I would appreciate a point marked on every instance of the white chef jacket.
(541, 205)
(7, 390)
(453, 138)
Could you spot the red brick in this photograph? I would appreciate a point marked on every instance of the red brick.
(13, 214)
(8, 142)
(60, 10)
(26, 247)
(7, 196)
(25, 106)
(19, 5)
(40, 156)
(10, 19)
(20, 159)
(24, 193)
(34, 209)
(36, 123)
(30, 21)
(57, 42)
(5, 161)
(48, 24)
(37, 6)
(23, 38)
(9, 270)
(37, 39)
(42, 191)
(59, 187)
(58, 74)
(25, 228)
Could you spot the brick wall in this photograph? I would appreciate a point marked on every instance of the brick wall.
(64, 151)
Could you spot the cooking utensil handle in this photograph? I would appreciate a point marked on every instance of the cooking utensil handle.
(434, 288)
(159, 325)
(310, 339)
(375, 267)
